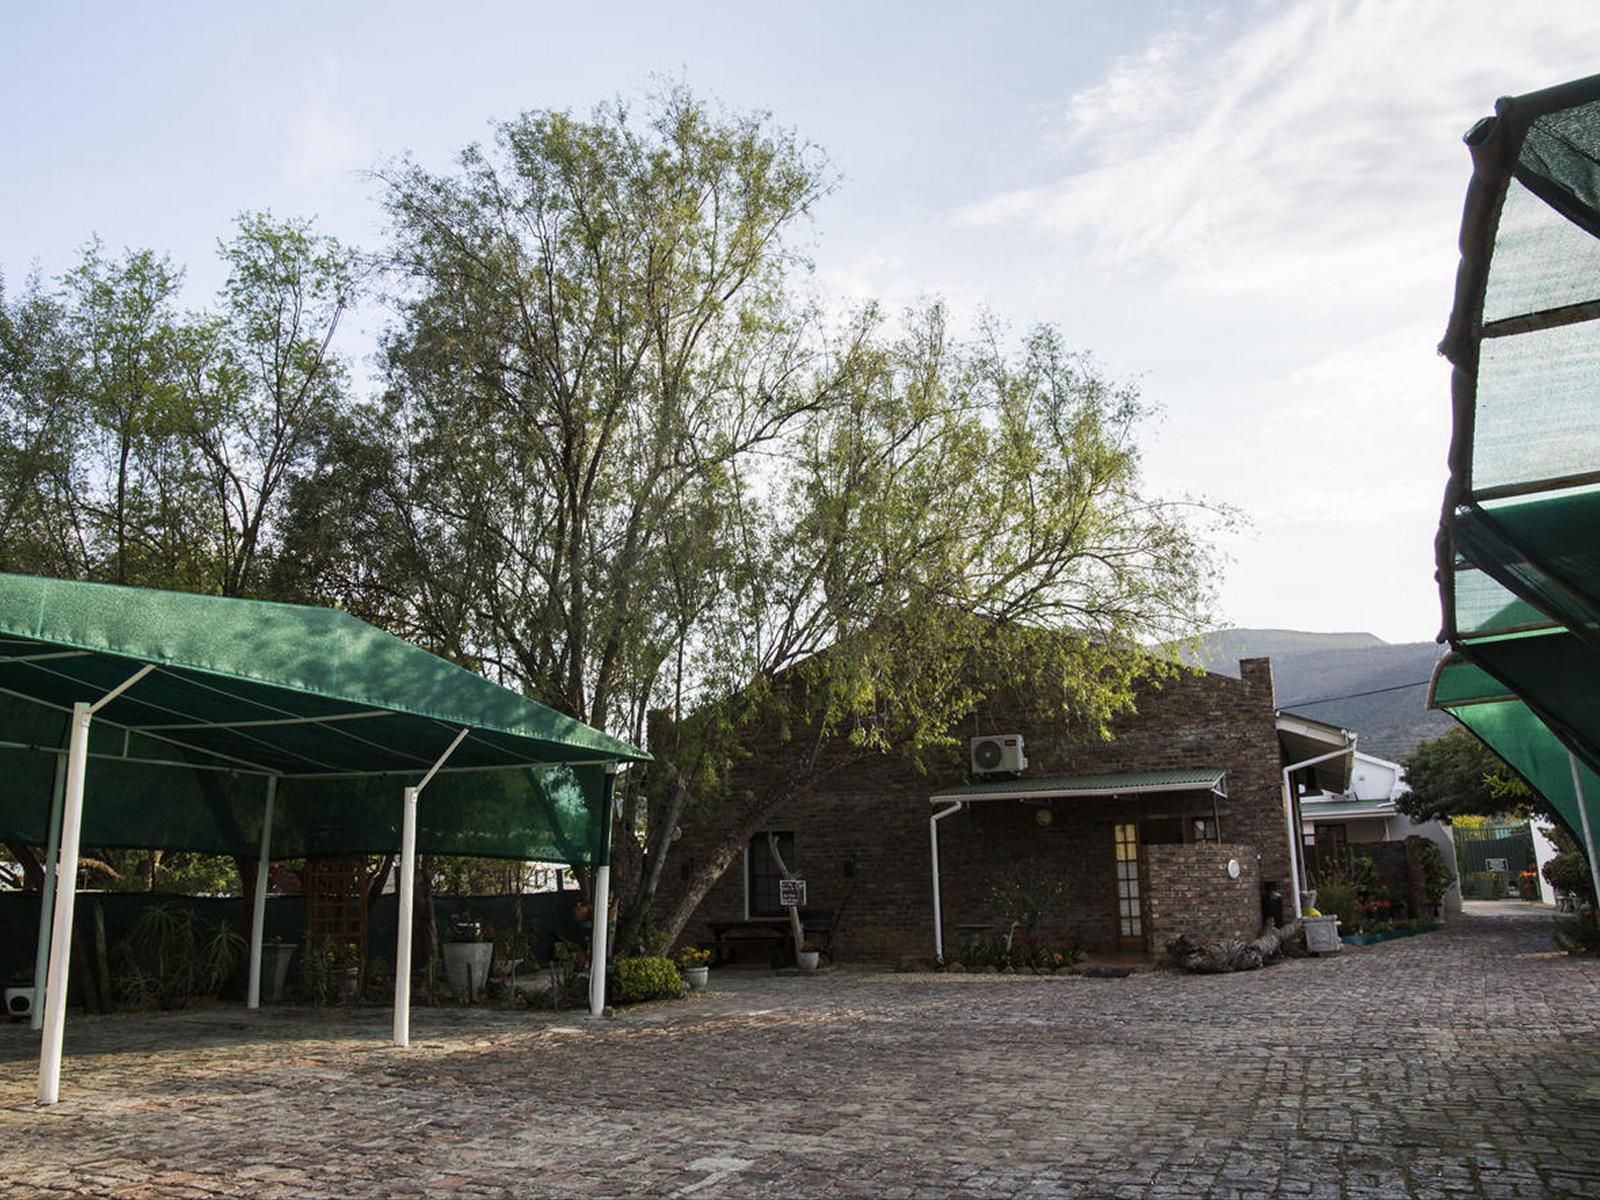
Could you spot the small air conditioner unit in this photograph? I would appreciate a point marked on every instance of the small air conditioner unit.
(997, 753)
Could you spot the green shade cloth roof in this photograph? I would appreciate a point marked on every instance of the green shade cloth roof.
(342, 713)
(1133, 783)
(1510, 727)
(1517, 556)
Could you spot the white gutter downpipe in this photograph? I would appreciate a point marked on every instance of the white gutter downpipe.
(1583, 815)
(602, 898)
(258, 915)
(408, 874)
(1290, 824)
(55, 997)
(938, 905)
(47, 891)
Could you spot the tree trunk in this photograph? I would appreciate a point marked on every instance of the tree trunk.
(32, 867)
(701, 880)
(658, 839)
(796, 928)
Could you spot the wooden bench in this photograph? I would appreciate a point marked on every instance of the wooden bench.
(772, 935)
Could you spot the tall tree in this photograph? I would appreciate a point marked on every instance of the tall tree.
(970, 521)
(263, 388)
(39, 434)
(594, 328)
(1457, 775)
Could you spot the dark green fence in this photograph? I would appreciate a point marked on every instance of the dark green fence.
(1492, 859)
(544, 916)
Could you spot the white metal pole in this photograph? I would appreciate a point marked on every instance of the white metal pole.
(1583, 816)
(602, 898)
(55, 1014)
(938, 902)
(408, 875)
(258, 917)
(597, 947)
(47, 892)
(402, 948)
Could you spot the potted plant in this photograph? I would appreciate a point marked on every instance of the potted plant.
(809, 957)
(276, 954)
(512, 948)
(467, 955)
(20, 994)
(694, 964)
(344, 961)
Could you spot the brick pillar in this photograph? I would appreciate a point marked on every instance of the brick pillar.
(1257, 676)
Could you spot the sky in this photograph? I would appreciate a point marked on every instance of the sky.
(1250, 208)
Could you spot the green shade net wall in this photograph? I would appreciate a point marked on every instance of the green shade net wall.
(1518, 549)
(343, 715)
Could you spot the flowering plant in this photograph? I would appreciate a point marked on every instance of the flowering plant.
(693, 956)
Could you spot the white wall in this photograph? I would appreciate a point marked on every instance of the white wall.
(1375, 778)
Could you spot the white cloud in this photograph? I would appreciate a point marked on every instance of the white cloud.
(1227, 158)
(322, 141)
(1269, 200)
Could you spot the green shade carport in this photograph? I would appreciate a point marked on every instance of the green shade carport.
(1517, 555)
(170, 720)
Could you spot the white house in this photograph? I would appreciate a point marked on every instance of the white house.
(1367, 811)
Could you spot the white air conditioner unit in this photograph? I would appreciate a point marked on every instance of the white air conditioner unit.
(997, 753)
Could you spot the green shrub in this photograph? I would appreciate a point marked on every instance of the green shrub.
(1436, 875)
(648, 978)
(1338, 900)
(171, 957)
(1568, 871)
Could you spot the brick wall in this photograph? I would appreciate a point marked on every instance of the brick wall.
(862, 844)
(1190, 892)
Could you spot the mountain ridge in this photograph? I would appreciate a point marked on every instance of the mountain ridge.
(1356, 680)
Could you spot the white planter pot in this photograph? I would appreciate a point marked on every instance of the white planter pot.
(275, 959)
(20, 1001)
(808, 960)
(1322, 935)
(698, 978)
(466, 966)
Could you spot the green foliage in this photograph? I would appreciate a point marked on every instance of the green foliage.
(175, 871)
(650, 977)
(1436, 875)
(322, 962)
(512, 944)
(1027, 892)
(692, 956)
(1569, 871)
(1456, 775)
(1339, 900)
(150, 446)
(1020, 953)
(170, 958)
(1355, 871)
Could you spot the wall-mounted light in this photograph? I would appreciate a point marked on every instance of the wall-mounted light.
(1044, 817)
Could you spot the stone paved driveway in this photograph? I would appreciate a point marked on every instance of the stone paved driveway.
(1466, 1063)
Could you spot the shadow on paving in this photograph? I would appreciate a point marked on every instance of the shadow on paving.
(1461, 1063)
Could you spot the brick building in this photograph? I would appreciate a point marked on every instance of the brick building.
(1171, 827)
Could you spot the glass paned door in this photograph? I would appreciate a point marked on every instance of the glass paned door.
(1130, 920)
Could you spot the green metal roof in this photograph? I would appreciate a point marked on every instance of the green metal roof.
(242, 690)
(1132, 783)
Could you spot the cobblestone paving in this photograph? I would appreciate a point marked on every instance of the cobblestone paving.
(1465, 1063)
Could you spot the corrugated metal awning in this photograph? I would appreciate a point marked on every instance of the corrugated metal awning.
(1131, 783)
